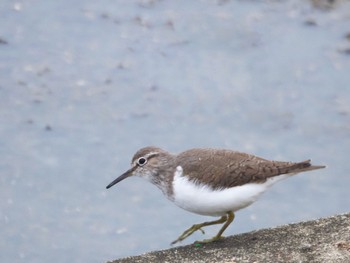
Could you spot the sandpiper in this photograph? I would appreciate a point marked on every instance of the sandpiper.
(212, 182)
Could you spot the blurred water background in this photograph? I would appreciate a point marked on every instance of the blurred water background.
(85, 84)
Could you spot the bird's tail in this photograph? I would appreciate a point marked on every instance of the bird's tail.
(303, 167)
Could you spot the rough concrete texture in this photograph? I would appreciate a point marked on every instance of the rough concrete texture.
(322, 240)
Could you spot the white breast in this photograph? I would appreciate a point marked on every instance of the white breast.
(201, 199)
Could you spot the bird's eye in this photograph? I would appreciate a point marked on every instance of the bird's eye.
(141, 161)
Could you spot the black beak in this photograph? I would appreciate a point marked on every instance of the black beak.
(122, 177)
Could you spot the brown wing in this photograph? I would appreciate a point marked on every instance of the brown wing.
(224, 168)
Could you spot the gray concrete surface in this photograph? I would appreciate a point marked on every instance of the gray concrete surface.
(321, 240)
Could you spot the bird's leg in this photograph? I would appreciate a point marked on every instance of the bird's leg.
(196, 227)
(229, 219)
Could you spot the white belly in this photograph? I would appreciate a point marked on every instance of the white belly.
(200, 199)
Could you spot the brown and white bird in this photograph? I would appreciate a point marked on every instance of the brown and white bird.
(212, 182)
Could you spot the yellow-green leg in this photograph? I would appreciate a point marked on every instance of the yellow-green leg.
(227, 219)
(230, 218)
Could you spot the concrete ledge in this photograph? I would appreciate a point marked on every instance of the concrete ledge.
(322, 240)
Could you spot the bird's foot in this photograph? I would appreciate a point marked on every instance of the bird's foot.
(189, 232)
(227, 219)
(206, 241)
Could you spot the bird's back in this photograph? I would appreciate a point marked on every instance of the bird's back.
(225, 168)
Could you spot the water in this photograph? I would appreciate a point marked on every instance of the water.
(84, 85)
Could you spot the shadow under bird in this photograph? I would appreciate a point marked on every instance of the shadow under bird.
(211, 182)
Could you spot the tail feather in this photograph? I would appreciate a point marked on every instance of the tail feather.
(304, 166)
